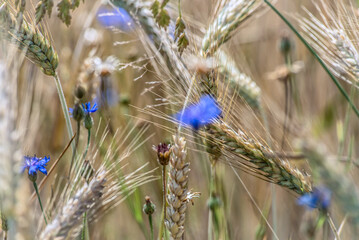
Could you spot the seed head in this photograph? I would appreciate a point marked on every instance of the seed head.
(286, 44)
(80, 91)
(163, 153)
(148, 208)
(77, 112)
(88, 122)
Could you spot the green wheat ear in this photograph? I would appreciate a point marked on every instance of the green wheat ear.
(29, 39)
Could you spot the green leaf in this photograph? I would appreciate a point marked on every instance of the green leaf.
(155, 8)
(49, 4)
(41, 8)
(163, 19)
(75, 4)
(164, 3)
(64, 8)
(182, 42)
(180, 27)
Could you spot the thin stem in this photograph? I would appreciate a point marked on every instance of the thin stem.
(151, 225)
(88, 143)
(84, 232)
(76, 144)
(339, 86)
(5, 235)
(64, 108)
(38, 197)
(43, 181)
(163, 215)
(212, 211)
(179, 9)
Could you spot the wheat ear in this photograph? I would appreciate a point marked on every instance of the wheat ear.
(237, 80)
(259, 160)
(28, 38)
(334, 36)
(177, 187)
(229, 18)
(72, 212)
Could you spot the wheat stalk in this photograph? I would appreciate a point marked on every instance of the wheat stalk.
(29, 39)
(258, 159)
(72, 212)
(229, 18)
(177, 189)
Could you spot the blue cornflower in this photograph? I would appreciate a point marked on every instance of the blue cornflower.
(88, 109)
(319, 198)
(118, 18)
(199, 114)
(34, 164)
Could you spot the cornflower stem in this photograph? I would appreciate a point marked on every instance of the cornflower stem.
(65, 110)
(88, 143)
(74, 149)
(85, 234)
(287, 88)
(5, 235)
(163, 215)
(38, 197)
(151, 225)
(326, 69)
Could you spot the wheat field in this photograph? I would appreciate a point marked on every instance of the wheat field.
(150, 119)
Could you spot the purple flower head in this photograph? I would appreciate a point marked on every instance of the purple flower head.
(319, 198)
(199, 114)
(88, 109)
(118, 18)
(34, 164)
